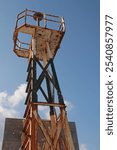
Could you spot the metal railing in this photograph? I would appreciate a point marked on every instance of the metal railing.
(22, 45)
(25, 15)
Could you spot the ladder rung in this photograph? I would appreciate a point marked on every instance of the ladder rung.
(29, 72)
(29, 65)
(27, 98)
(28, 85)
(27, 110)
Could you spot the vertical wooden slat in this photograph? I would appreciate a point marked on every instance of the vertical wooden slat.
(34, 130)
(68, 136)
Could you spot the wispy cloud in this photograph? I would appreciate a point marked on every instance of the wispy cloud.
(69, 105)
(83, 147)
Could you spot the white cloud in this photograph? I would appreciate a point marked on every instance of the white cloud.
(13, 100)
(18, 95)
(9, 102)
(7, 112)
(69, 105)
(3, 96)
(83, 147)
(8, 105)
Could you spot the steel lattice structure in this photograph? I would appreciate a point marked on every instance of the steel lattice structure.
(40, 48)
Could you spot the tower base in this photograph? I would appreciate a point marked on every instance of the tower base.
(13, 131)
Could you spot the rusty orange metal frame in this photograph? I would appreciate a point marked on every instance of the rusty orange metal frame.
(38, 134)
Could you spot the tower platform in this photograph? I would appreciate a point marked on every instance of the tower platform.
(13, 130)
(39, 30)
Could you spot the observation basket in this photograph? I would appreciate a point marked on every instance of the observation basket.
(38, 34)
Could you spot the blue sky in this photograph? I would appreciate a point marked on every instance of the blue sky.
(77, 63)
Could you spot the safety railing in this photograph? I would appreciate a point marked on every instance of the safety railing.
(22, 45)
(47, 21)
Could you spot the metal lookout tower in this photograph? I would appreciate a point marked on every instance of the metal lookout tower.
(37, 36)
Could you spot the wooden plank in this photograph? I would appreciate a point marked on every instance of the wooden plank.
(59, 128)
(49, 104)
(68, 137)
(46, 146)
(43, 128)
(53, 125)
(33, 130)
(52, 130)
